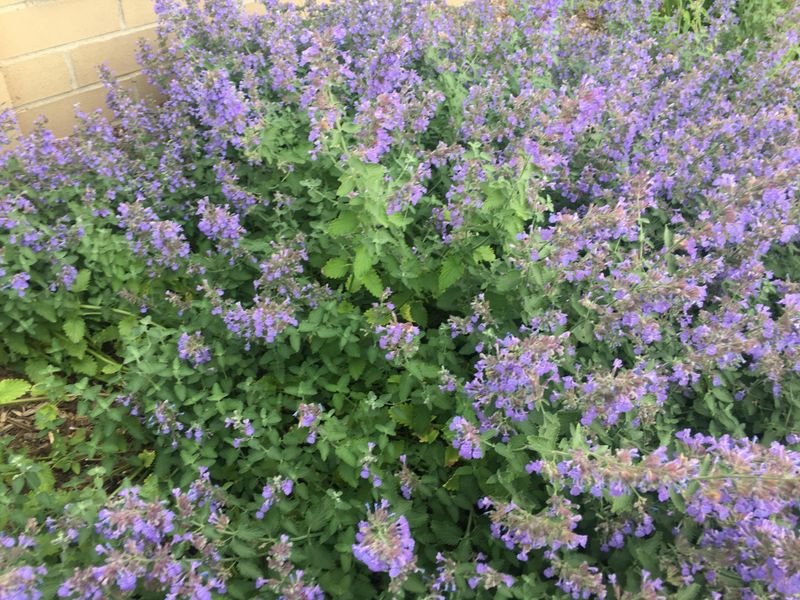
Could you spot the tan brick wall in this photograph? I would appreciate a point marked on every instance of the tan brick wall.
(50, 51)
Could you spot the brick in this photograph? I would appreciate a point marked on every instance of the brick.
(60, 113)
(119, 53)
(145, 90)
(37, 78)
(138, 12)
(46, 24)
(5, 97)
(256, 8)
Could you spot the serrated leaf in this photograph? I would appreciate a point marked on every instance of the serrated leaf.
(347, 185)
(126, 325)
(147, 457)
(620, 504)
(249, 569)
(405, 312)
(13, 389)
(508, 281)
(242, 550)
(483, 253)
(401, 413)
(46, 311)
(343, 224)
(107, 334)
(356, 367)
(294, 340)
(110, 369)
(346, 455)
(451, 456)
(81, 281)
(335, 268)
(430, 436)
(85, 365)
(373, 283)
(447, 532)
(722, 394)
(688, 592)
(362, 262)
(452, 270)
(74, 328)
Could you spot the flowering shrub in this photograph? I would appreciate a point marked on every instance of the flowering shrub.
(495, 300)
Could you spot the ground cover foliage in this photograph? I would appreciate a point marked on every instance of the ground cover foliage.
(396, 299)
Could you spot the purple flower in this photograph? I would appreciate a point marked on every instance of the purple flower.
(219, 224)
(192, 348)
(19, 282)
(269, 494)
(384, 543)
(308, 416)
(467, 439)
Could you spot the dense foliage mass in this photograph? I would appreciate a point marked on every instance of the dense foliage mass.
(389, 298)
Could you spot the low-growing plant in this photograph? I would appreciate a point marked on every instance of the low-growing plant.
(495, 300)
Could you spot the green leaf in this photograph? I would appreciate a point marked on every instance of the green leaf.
(242, 550)
(85, 365)
(356, 367)
(249, 569)
(344, 224)
(689, 592)
(452, 270)
(45, 310)
(147, 457)
(127, 325)
(447, 532)
(668, 237)
(347, 185)
(508, 281)
(81, 281)
(483, 253)
(362, 262)
(335, 268)
(75, 328)
(373, 283)
(110, 369)
(13, 389)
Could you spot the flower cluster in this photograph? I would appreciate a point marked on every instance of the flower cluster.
(408, 479)
(308, 415)
(19, 581)
(243, 427)
(600, 196)
(488, 577)
(467, 438)
(220, 225)
(19, 283)
(270, 494)
(288, 582)
(275, 306)
(366, 466)
(400, 340)
(147, 545)
(509, 381)
(552, 528)
(743, 493)
(578, 581)
(192, 348)
(384, 543)
(161, 242)
(607, 396)
(476, 322)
